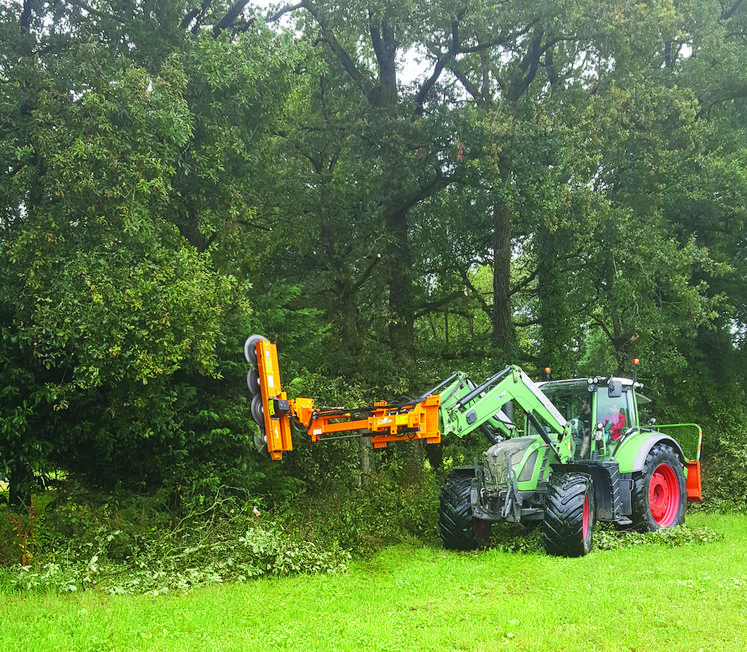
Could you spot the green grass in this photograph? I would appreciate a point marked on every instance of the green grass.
(406, 598)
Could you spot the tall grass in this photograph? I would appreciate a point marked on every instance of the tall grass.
(650, 596)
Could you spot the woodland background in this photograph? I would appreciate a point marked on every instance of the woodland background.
(390, 190)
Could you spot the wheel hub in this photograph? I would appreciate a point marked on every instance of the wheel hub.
(663, 495)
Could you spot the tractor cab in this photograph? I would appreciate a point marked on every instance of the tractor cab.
(601, 412)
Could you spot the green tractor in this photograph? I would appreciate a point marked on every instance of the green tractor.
(582, 456)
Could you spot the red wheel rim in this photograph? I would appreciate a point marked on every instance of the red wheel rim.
(664, 495)
(585, 521)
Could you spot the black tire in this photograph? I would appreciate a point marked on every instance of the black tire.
(460, 530)
(258, 411)
(250, 347)
(258, 414)
(659, 497)
(252, 381)
(569, 515)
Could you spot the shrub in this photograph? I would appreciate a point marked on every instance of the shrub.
(140, 547)
(380, 513)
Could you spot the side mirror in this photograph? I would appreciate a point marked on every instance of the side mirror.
(652, 422)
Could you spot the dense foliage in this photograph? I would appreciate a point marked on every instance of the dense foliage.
(392, 191)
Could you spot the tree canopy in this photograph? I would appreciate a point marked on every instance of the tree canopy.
(390, 190)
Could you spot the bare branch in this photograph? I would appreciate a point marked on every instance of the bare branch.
(288, 9)
(228, 20)
(367, 273)
(526, 323)
(342, 56)
(439, 182)
(471, 88)
(497, 41)
(719, 96)
(195, 16)
(600, 324)
(486, 308)
(528, 67)
(449, 55)
(525, 283)
(94, 12)
(427, 307)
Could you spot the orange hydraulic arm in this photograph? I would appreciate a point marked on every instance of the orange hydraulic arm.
(274, 412)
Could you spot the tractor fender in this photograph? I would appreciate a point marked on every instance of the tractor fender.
(631, 453)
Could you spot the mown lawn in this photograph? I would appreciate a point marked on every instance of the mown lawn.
(645, 597)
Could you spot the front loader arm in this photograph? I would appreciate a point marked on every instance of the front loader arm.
(452, 391)
(483, 404)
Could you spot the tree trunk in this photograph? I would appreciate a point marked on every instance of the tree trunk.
(402, 311)
(553, 310)
(399, 263)
(502, 319)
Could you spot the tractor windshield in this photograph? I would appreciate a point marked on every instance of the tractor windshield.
(617, 414)
(573, 401)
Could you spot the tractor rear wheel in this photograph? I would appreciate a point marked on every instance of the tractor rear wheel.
(569, 515)
(659, 497)
(460, 530)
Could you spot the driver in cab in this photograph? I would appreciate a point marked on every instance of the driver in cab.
(614, 422)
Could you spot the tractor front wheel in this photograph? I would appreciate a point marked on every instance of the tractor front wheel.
(569, 515)
(460, 530)
(659, 491)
